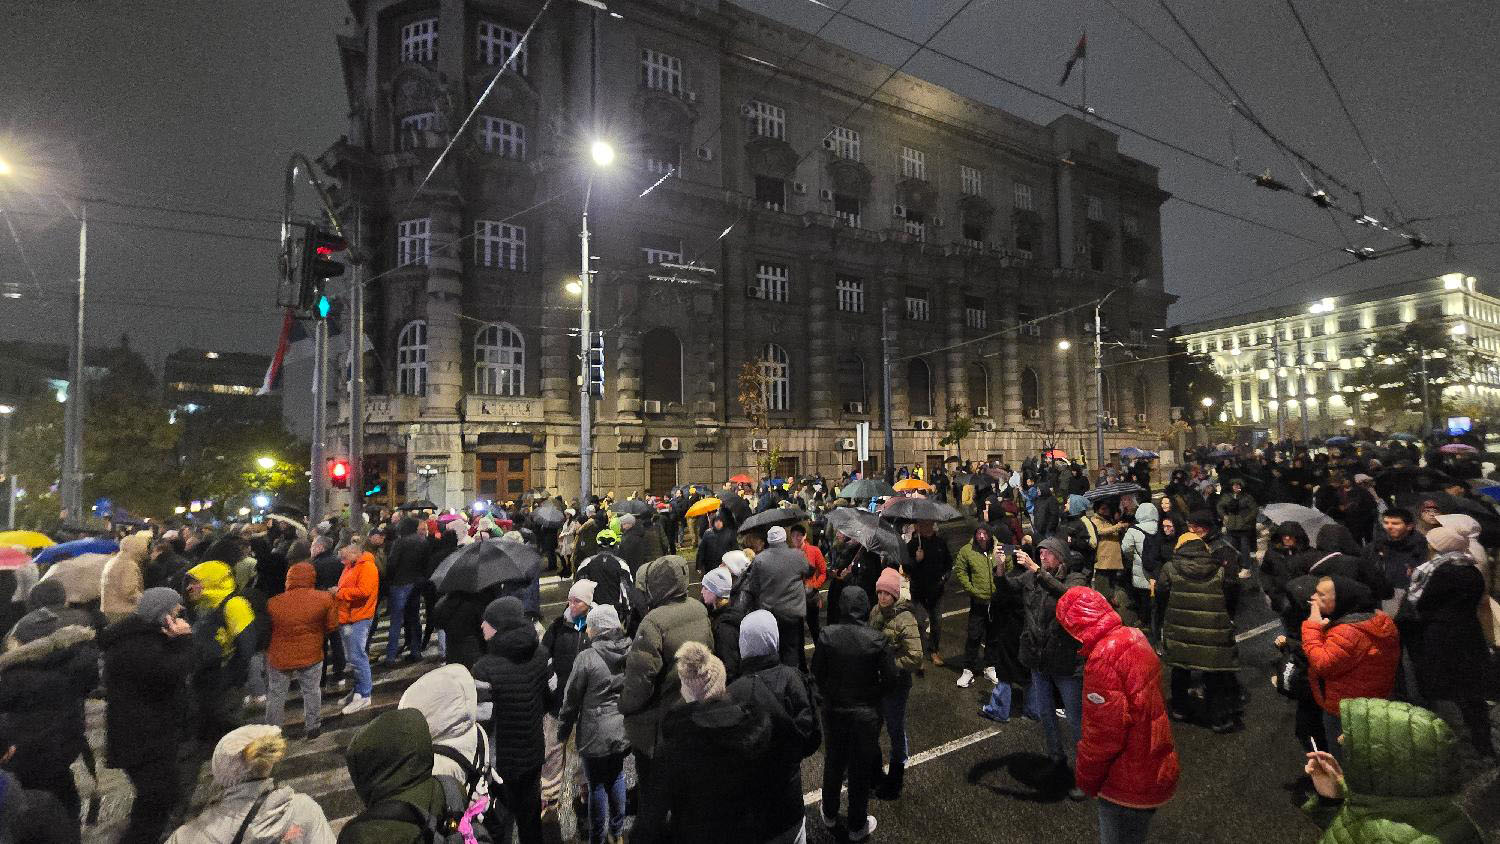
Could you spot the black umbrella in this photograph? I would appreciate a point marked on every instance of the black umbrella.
(632, 506)
(289, 510)
(867, 488)
(865, 528)
(486, 562)
(548, 516)
(784, 516)
(1401, 480)
(1099, 493)
(418, 504)
(1489, 520)
(916, 509)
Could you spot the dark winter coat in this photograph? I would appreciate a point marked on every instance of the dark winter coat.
(521, 686)
(651, 683)
(1197, 632)
(1045, 645)
(774, 583)
(1339, 557)
(1397, 557)
(709, 776)
(1278, 566)
(784, 694)
(633, 547)
(725, 623)
(1442, 634)
(145, 691)
(611, 578)
(930, 573)
(458, 615)
(407, 561)
(591, 697)
(391, 760)
(1046, 514)
(713, 545)
(43, 685)
(563, 641)
(852, 664)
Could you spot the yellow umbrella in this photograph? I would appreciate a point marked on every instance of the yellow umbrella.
(26, 539)
(704, 507)
(913, 483)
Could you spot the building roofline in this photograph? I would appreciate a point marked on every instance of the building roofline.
(1367, 296)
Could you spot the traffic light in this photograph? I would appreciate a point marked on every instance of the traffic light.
(596, 364)
(374, 477)
(338, 473)
(315, 264)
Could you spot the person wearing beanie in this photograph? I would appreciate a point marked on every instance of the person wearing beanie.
(563, 641)
(242, 766)
(775, 584)
(1440, 631)
(894, 620)
(591, 704)
(612, 578)
(148, 656)
(712, 761)
(302, 616)
(517, 672)
(723, 618)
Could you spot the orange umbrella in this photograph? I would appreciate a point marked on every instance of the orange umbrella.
(1055, 454)
(740, 479)
(913, 483)
(704, 507)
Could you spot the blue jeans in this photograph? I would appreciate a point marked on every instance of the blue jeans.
(356, 636)
(402, 601)
(893, 710)
(1122, 824)
(1070, 689)
(606, 776)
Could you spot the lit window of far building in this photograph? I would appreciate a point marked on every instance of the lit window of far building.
(662, 253)
(844, 142)
(770, 193)
(419, 41)
(497, 42)
(411, 359)
(974, 235)
(916, 304)
(1023, 198)
(975, 315)
(775, 370)
(499, 361)
(499, 245)
(768, 121)
(916, 224)
(505, 138)
(851, 291)
(971, 181)
(1131, 225)
(661, 72)
(1094, 207)
(913, 163)
(413, 241)
(771, 281)
(418, 130)
(846, 208)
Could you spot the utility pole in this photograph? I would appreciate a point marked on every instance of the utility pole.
(1426, 417)
(885, 392)
(1301, 386)
(585, 400)
(356, 328)
(1276, 381)
(317, 483)
(1099, 384)
(7, 411)
(71, 491)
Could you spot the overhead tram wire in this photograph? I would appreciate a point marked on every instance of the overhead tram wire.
(1139, 27)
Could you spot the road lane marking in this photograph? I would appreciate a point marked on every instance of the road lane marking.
(812, 798)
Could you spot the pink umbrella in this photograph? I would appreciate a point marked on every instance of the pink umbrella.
(1458, 448)
(13, 558)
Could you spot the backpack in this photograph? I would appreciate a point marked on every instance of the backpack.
(458, 823)
(1150, 552)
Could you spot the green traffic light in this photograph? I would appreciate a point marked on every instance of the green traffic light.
(324, 306)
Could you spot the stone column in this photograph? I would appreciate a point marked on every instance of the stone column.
(822, 361)
(445, 381)
(626, 347)
(1009, 389)
(737, 347)
(889, 293)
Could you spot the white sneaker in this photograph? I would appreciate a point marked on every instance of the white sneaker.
(965, 679)
(358, 704)
(989, 674)
(347, 699)
(862, 834)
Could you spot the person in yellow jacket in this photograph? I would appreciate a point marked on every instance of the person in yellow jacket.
(224, 633)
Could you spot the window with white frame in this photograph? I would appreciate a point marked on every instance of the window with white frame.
(419, 41)
(661, 72)
(768, 121)
(500, 245)
(971, 180)
(916, 304)
(913, 163)
(1028, 323)
(851, 293)
(411, 359)
(771, 281)
(975, 315)
(775, 370)
(844, 142)
(1023, 198)
(497, 42)
(413, 241)
(505, 138)
(1094, 206)
(417, 130)
(499, 361)
(662, 157)
(846, 209)
(915, 224)
(1131, 225)
(662, 253)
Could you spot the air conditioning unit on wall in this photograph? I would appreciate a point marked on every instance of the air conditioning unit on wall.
(845, 444)
(981, 411)
(669, 444)
(799, 187)
(760, 444)
(924, 424)
(651, 406)
(1140, 417)
(854, 407)
(986, 425)
(826, 195)
(1034, 413)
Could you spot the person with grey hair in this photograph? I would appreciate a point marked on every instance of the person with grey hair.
(633, 547)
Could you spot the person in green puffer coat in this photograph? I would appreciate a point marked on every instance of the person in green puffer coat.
(1402, 777)
(390, 764)
(1198, 631)
(974, 569)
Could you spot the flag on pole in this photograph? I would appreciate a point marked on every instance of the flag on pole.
(1079, 52)
(273, 372)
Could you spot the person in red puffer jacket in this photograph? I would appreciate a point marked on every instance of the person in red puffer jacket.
(1125, 756)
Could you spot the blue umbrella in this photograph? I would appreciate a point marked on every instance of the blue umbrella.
(1491, 491)
(1336, 441)
(69, 550)
(1130, 452)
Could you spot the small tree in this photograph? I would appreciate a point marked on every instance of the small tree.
(755, 398)
(958, 426)
(1394, 363)
(1191, 378)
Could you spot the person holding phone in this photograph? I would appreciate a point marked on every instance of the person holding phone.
(974, 569)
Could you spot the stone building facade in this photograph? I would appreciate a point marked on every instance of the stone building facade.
(805, 206)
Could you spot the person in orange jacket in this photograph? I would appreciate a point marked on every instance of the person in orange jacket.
(359, 585)
(300, 618)
(1353, 650)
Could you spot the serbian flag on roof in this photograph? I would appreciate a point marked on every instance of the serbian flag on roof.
(290, 331)
(1079, 52)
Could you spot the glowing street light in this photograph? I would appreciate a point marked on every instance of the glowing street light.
(602, 153)
(266, 462)
(1208, 401)
(5, 168)
(1064, 345)
(574, 287)
(261, 501)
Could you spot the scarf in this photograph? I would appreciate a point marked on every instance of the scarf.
(1424, 572)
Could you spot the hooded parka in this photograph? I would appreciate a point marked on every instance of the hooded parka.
(1197, 632)
(391, 760)
(651, 683)
(591, 699)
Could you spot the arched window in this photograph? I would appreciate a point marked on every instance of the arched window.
(499, 361)
(775, 368)
(661, 366)
(1031, 393)
(919, 387)
(411, 359)
(1140, 395)
(852, 388)
(1107, 388)
(979, 389)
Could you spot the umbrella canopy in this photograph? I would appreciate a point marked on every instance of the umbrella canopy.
(1099, 493)
(288, 520)
(79, 576)
(918, 510)
(548, 516)
(26, 539)
(68, 550)
(703, 507)
(448, 517)
(867, 488)
(908, 484)
(741, 478)
(1390, 483)
(1406, 438)
(289, 510)
(418, 504)
(1055, 454)
(1458, 448)
(1130, 452)
(784, 516)
(632, 506)
(865, 528)
(1489, 492)
(1340, 440)
(13, 558)
(482, 564)
(1310, 520)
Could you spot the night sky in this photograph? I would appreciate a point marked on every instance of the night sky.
(191, 104)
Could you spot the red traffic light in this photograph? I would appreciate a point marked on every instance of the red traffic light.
(338, 473)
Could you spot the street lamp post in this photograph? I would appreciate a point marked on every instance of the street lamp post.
(603, 154)
(1099, 380)
(10, 477)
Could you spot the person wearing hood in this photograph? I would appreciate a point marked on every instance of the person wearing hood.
(894, 620)
(784, 694)
(448, 699)
(855, 669)
(405, 568)
(563, 640)
(148, 656)
(252, 808)
(1440, 630)
(301, 617)
(224, 637)
(1351, 650)
(713, 760)
(612, 578)
(651, 683)
(1078, 482)
(1080, 531)
(591, 704)
(931, 565)
(1399, 781)
(724, 618)
(1046, 517)
(1288, 556)
(774, 584)
(1198, 631)
(516, 675)
(1126, 756)
(1238, 512)
(974, 569)
(124, 577)
(357, 593)
(27, 815)
(1292, 678)
(717, 541)
(1140, 550)
(390, 762)
(48, 669)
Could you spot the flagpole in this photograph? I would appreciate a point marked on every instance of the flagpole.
(1085, 60)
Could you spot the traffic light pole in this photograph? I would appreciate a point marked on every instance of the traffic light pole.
(318, 477)
(585, 409)
(356, 330)
(75, 411)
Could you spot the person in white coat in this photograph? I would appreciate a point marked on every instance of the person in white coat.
(242, 764)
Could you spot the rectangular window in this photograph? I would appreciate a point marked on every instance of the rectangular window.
(419, 41)
(413, 241)
(975, 315)
(662, 253)
(846, 208)
(768, 121)
(1095, 208)
(663, 157)
(502, 137)
(1131, 225)
(661, 72)
(851, 292)
(1349, 323)
(418, 131)
(916, 304)
(1023, 199)
(499, 245)
(971, 181)
(913, 163)
(1028, 324)
(915, 224)
(1023, 244)
(844, 142)
(771, 280)
(497, 42)
(974, 235)
(770, 193)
